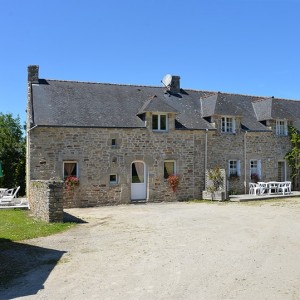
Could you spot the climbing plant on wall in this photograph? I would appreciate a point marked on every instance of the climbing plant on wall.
(293, 156)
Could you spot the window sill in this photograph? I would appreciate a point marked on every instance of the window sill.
(159, 131)
(230, 133)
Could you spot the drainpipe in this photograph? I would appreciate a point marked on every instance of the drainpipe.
(205, 157)
(194, 165)
(245, 162)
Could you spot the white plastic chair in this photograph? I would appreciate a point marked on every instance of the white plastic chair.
(284, 187)
(263, 187)
(273, 186)
(254, 188)
(289, 186)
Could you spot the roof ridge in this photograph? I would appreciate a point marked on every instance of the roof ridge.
(122, 84)
(185, 89)
(104, 83)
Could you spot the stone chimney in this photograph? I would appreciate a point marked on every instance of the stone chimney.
(33, 74)
(175, 84)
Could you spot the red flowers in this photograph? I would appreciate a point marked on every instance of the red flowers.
(71, 182)
(173, 181)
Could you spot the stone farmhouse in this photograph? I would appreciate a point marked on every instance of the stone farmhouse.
(123, 141)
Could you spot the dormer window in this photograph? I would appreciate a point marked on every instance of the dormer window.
(159, 122)
(281, 127)
(228, 125)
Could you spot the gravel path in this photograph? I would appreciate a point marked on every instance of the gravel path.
(169, 251)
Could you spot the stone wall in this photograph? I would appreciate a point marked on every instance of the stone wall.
(264, 146)
(46, 200)
(97, 159)
(92, 149)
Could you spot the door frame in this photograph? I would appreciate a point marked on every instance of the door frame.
(284, 169)
(136, 188)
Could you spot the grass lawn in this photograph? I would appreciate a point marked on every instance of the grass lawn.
(17, 225)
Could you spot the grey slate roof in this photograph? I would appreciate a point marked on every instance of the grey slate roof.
(271, 109)
(155, 104)
(83, 104)
(70, 103)
(222, 104)
(252, 109)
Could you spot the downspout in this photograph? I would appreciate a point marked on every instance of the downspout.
(194, 165)
(245, 162)
(205, 157)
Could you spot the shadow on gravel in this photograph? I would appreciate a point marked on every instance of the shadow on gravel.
(24, 268)
(16, 259)
(72, 219)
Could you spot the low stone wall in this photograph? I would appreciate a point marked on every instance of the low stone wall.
(46, 200)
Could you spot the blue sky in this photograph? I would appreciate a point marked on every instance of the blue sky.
(243, 46)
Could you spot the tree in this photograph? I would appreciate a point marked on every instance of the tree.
(293, 156)
(12, 152)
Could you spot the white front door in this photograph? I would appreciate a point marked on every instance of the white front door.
(138, 181)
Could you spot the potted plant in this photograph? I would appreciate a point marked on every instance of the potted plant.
(234, 176)
(71, 182)
(254, 177)
(214, 189)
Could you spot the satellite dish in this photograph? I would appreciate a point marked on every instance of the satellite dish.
(167, 80)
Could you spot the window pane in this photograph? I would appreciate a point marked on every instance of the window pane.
(163, 122)
(229, 124)
(137, 172)
(253, 167)
(169, 168)
(155, 122)
(233, 167)
(223, 124)
(70, 169)
(281, 127)
(113, 178)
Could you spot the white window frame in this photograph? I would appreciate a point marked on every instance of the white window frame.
(174, 167)
(228, 124)
(70, 162)
(236, 171)
(159, 115)
(113, 181)
(281, 127)
(255, 169)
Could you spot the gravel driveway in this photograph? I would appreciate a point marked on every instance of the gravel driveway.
(170, 251)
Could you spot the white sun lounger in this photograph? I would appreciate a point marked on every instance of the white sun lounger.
(10, 196)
